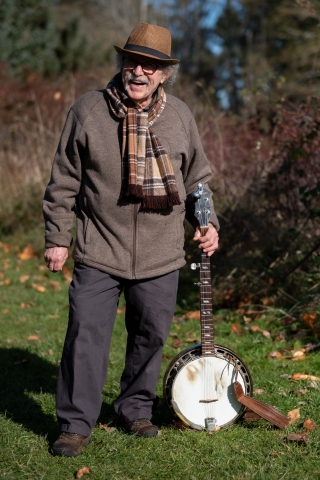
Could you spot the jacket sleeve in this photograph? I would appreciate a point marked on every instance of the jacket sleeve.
(63, 188)
(195, 170)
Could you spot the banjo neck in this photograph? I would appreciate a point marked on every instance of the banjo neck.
(207, 336)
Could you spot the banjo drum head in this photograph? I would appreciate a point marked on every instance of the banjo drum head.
(202, 388)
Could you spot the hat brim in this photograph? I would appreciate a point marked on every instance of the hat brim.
(160, 61)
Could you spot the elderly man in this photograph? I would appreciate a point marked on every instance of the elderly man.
(128, 158)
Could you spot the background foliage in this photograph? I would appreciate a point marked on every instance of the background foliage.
(250, 75)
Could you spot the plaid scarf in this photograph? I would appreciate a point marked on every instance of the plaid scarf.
(147, 171)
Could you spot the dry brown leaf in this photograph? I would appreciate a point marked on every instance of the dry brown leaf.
(27, 253)
(42, 267)
(265, 333)
(258, 391)
(5, 310)
(309, 319)
(35, 338)
(301, 357)
(106, 428)
(193, 340)
(119, 311)
(309, 424)
(246, 319)
(6, 247)
(195, 315)
(82, 471)
(298, 353)
(26, 305)
(24, 278)
(7, 281)
(177, 343)
(274, 452)
(50, 351)
(236, 328)
(275, 354)
(294, 415)
(39, 288)
(55, 285)
(303, 376)
(298, 437)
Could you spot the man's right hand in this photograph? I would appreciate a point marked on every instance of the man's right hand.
(55, 258)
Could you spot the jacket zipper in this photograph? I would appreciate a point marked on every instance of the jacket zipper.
(134, 240)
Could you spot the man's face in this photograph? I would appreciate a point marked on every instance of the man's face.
(139, 85)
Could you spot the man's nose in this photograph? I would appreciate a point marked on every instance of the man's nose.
(138, 70)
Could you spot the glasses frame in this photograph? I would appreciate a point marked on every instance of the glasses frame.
(141, 65)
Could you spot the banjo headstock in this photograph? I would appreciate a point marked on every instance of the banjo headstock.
(202, 207)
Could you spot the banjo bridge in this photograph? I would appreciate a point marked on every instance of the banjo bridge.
(209, 400)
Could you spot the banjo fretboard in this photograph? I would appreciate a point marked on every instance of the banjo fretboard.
(207, 338)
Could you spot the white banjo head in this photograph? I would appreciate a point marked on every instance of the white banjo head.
(200, 388)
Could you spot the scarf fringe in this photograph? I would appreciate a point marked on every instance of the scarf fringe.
(134, 191)
(161, 202)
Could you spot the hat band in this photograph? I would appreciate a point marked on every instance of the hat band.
(149, 51)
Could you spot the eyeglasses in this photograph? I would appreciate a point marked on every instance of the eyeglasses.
(148, 68)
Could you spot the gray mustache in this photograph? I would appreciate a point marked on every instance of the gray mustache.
(133, 77)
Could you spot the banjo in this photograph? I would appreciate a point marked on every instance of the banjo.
(198, 385)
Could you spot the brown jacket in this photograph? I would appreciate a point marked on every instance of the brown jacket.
(115, 235)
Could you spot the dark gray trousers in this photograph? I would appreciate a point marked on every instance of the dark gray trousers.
(93, 299)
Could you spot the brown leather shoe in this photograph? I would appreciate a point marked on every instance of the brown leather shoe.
(142, 427)
(70, 444)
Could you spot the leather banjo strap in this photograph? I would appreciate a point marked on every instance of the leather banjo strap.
(263, 410)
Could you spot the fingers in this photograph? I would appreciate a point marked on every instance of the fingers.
(55, 258)
(209, 243)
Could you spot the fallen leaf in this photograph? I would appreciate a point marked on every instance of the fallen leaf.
(236, 328)
(6, 247)
(193, 340)
(39, 288)
(53, 316)
(298, 353)
(26, 305)
(288, 321)
(24, 278)
(42, 267)
(173, 335)
(27, 253)
(5, 310)
(119, 311)
(274, 452)
(82, 471)
(7, 281)
(106, 428)
(166, 357)
(301, 357)
(177, 343)
(298, 437)
(309, 424)
(314, 384)
(195, 315)
(303, 376)
(294, 415)
(265, 333)
(112, 449)
(35, 338)
(275, 354)
(309, 319)
(246, 319)
(218, 319)
(258, 391)
(50, 351)
(8, 340)
(55, 285)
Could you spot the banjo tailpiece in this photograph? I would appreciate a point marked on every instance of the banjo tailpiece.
(208, 386)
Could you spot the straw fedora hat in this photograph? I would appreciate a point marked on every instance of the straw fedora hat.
(150, 41)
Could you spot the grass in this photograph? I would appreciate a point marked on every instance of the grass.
(33, 324)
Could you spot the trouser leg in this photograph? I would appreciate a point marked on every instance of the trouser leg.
(93, 299)
(149, 310)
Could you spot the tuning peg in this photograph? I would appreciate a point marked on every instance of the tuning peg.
(199, 192)
(194, 266)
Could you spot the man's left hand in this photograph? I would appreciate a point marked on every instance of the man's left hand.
(209, 242)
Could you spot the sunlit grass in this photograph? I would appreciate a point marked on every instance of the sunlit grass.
(33, 326)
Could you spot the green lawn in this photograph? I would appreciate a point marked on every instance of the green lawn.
(33, 325)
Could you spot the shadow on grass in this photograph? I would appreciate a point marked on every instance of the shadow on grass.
(23, 374)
